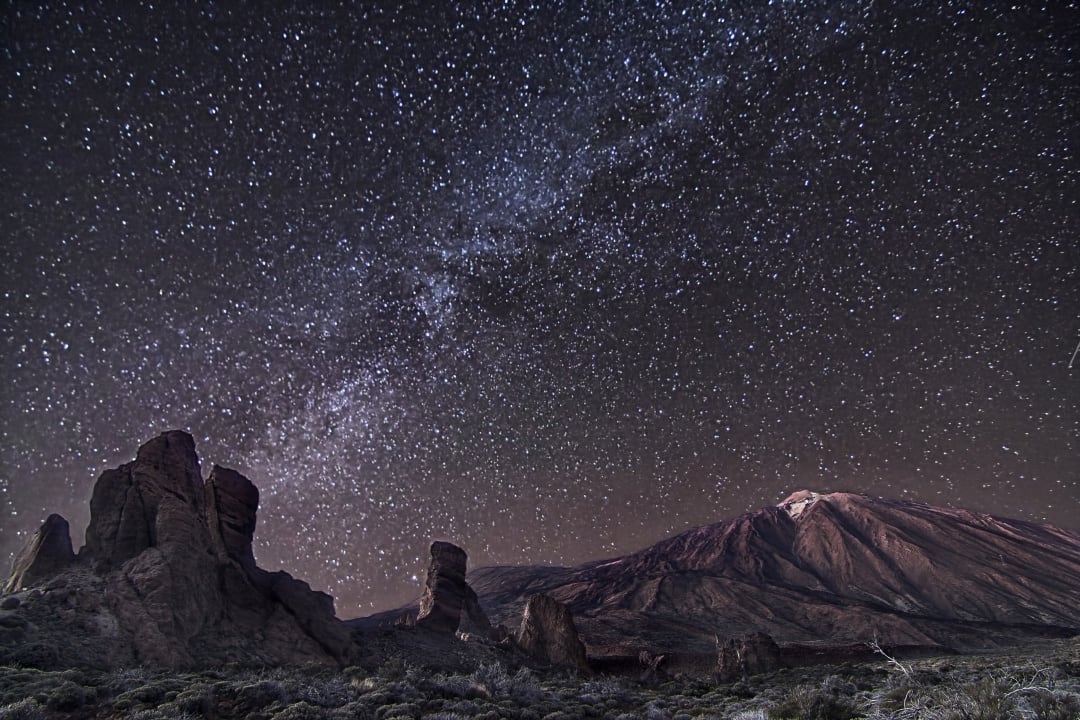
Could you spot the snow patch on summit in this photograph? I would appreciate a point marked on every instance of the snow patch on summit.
(796, 504)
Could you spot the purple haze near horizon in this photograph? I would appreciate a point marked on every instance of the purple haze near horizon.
(550, 283)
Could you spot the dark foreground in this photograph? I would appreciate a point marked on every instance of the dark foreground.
(1040, 681)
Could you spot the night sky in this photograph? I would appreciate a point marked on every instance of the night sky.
(549, 282)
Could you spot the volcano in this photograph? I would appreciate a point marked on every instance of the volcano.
(818, 571)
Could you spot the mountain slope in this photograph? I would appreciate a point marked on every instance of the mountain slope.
(820, 569)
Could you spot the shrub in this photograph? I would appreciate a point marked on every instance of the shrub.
(68, 696)
(492, 680)
(324, 692)
(987, 698)
(1049, 704)
(25, 709)
(558, 715)
(260, 694)
(125, 679)
(158, 714)
(606, 687)
(453, 687)
(300, 711)
(813, 703)
(34, 655)
(196, 700)
(408, 710)
(393, 668)
(363, 685)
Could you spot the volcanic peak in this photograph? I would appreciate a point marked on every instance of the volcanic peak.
(797, 503)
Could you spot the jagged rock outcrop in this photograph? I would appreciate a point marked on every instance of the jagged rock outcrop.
(47, 552)
(744, 656)
(448, 604)
(232, 501)
(167, 576)
(444, 588)
(126, 513)
(548, 634)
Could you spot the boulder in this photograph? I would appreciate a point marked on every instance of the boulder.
(753, 654)
(548, 634)
(46, 552)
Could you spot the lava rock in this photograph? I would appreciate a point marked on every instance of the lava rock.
(168, 578)
(548, 634)
(125, 503)
(232, 502)
(47, 552)
(474, 620)
(753, 654)
(444, 589)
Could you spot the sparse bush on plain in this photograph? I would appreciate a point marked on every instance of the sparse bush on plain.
(825, 702)
(398, 710)
(25, 709)
(962, 688)
(758, 714)
(68, 696)
(1047, 704)
(259, 695)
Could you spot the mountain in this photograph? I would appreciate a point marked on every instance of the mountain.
(817, 570)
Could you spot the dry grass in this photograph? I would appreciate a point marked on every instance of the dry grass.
(1038, 684)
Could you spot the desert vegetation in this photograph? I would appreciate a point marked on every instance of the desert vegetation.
(1039, 683)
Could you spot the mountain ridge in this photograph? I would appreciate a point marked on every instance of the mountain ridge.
(819, 568)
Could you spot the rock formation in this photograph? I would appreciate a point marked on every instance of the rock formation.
(548, 634)
(167, 576)
(750, 655)
(448, 604)
(232, 502)
(444, 587)
(473, 619)
(47, 552)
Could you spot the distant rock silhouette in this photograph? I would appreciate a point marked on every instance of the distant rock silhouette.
(750, 655)
(47, 552)
(548, 634)
(167, 576)
(819, 568)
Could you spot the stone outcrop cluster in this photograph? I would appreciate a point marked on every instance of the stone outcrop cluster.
(754, 654)
(548, 634)
(448, 604)
(167, 576)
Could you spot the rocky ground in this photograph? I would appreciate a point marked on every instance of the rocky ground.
(1040, 681)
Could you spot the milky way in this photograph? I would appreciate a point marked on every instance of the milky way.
(549, 282)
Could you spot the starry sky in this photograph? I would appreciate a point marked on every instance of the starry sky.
(550, 280)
